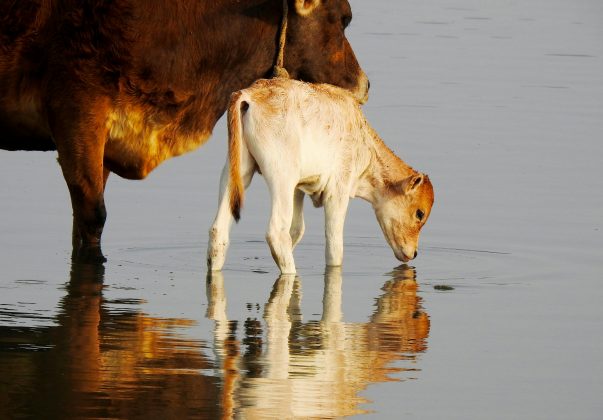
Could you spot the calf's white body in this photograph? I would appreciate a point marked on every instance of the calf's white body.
(313, 139)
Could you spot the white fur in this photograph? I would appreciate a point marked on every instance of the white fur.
(314, 140)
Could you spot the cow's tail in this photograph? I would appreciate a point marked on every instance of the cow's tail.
(235, 137)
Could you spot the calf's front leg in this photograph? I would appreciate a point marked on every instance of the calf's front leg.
(335, 210)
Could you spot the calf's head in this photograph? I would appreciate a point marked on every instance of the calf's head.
(402, 211)
(317, 49)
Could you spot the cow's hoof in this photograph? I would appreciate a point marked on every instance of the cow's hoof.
(88, 254)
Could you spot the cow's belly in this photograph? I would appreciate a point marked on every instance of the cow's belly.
(136, 146)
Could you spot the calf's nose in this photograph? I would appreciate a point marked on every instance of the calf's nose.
(414, 256)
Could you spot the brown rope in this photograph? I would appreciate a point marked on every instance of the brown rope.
(279, 68)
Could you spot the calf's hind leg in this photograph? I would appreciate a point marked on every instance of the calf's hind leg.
(219, 231)
(278, 236)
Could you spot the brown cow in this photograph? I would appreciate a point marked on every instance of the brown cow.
(121, 85)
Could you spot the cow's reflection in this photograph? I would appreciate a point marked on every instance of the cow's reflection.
(103, 358)
(316, 368)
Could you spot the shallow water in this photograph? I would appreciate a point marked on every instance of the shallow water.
(500, 102)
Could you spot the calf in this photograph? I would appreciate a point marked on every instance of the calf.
(313, 139)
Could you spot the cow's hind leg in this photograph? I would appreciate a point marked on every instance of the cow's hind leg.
(80, 134)
(297, 224)
(219, 232)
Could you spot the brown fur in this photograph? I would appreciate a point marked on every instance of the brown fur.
(123, 85)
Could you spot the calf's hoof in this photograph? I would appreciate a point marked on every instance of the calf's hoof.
(287, 270)
(215, 263)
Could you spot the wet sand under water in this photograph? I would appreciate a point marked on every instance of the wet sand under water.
(501, 103)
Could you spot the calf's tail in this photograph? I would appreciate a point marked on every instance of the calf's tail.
(235, 137)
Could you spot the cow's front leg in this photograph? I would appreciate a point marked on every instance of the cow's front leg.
(76, 236)
(335, 211)
(278, 236)
(297, 224)
(80, 133)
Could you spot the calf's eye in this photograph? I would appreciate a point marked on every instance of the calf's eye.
(420, 214)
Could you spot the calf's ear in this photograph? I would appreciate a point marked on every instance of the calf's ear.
(410, 184)
(305, 7)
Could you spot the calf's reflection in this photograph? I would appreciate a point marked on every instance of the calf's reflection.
(286, 368)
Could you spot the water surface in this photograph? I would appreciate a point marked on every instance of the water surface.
(501, 103)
